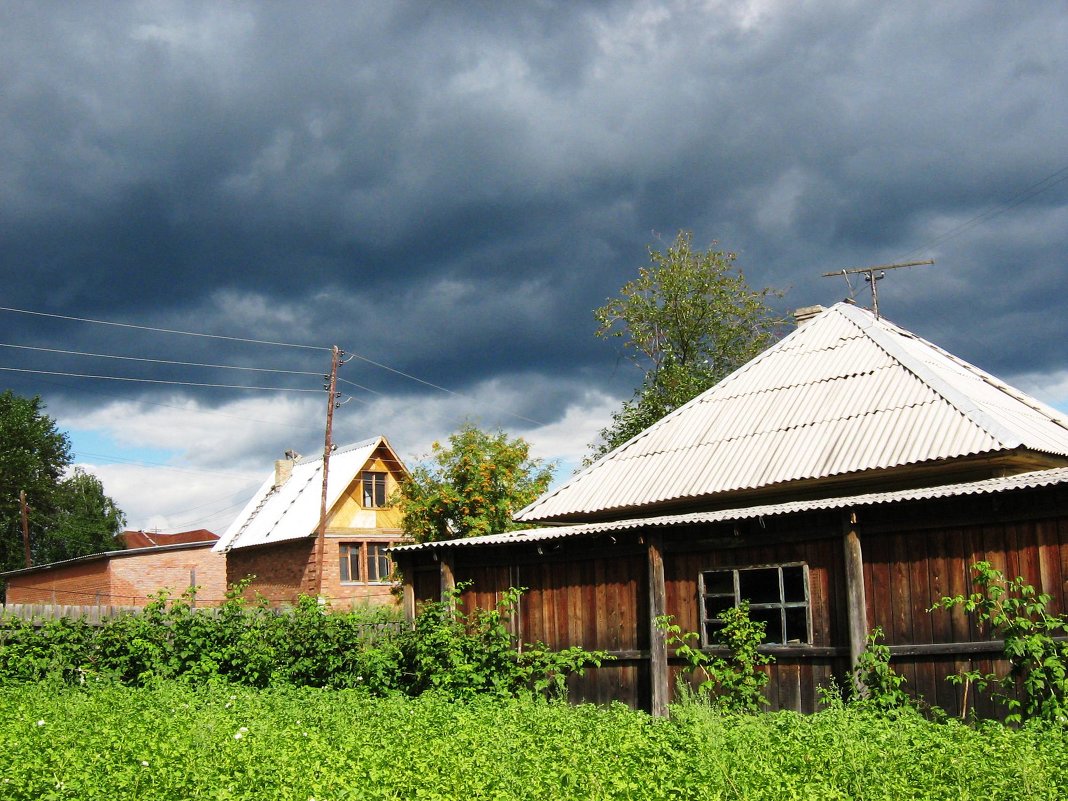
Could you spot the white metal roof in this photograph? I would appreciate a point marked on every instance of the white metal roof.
(847, 392)
(291, 511)
(1020, 481)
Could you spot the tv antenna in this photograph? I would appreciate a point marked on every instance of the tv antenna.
(873, 275)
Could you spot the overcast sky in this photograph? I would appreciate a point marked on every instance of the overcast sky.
(449, 189)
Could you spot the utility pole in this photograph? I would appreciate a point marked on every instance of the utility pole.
(328, 446)
(870, 276)
(25, 526)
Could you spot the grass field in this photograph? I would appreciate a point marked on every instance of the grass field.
(220, 742)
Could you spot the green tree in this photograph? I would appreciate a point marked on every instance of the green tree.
(687, 321)
(68, 517)
(471, 486)
(85, 520)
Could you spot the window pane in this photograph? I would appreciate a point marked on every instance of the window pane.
(772, 620)
(793, 584)
(715, 607)
(759, 586)
(719, 582)
(796, 624)
(379, 565)
(343, 562)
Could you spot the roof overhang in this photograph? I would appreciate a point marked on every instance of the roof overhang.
(1021, 481)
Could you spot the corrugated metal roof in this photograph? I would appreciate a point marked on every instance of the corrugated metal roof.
(1021, 481)
(291, 511)
(848, 392)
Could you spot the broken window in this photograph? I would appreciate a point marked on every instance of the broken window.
(777, 595)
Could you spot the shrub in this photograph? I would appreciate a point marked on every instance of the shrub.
(1012, 610)
(733, 681)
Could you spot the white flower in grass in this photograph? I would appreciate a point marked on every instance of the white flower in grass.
(40, 723)
(144, 763)
(238, 736)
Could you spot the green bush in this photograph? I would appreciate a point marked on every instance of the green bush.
(1013, 611)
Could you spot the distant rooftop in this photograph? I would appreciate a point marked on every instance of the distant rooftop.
(152, 539)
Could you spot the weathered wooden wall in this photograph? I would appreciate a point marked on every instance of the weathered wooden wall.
(594, 593)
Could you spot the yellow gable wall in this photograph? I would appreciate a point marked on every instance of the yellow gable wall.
(349, 513)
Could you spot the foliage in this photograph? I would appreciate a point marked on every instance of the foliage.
(238, 642)
(174, 741)
(687, 321)
(1013, 611)
(68, 517)
(471, 486)
(464, 655)
(459, 655)
(734, 681)
(876, 685)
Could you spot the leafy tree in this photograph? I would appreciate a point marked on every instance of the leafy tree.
(69, 517)
(687, 321)
(471, 486)
(85, 521)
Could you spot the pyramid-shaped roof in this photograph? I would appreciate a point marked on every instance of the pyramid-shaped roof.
(845, 393)
(291, 511)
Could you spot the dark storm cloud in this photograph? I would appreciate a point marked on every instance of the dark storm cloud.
(451, 188)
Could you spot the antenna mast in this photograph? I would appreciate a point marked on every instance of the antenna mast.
(872, 275)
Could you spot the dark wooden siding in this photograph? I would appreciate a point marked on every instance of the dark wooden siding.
(594, 592)
(907, 571)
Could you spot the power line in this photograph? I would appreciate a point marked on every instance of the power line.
(157, 361)
(163, 330)
(155, 380)
(990, 212)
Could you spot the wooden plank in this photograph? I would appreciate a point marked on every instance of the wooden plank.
(657, 600)
(856, 605)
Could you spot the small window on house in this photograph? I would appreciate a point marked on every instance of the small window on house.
(374, 490)
(349, 560)
(379, 565)
(777, 596)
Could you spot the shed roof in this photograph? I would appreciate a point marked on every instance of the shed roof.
(1020, 481)
(291, 511)
(847, 392)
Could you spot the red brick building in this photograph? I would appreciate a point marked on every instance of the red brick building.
(274, 539)
(128, 577)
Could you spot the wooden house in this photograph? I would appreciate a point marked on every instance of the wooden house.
(846, 478)
(150, 562)
(275, 538)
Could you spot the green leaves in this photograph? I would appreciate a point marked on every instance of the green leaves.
(1013, 611)
(472, 486)
(687, 321)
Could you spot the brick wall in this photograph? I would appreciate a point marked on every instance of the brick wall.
(81, 584)
(137, 576)
(124, 579)
(354, 593)
(279, 569)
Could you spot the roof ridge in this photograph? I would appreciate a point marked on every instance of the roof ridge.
(880, 332)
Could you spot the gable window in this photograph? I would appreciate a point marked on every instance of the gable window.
(374, 490)
(364, 562)
(777, 595)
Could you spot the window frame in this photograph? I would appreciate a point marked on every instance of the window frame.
(373, 487)
(362, 550)
(781, 604)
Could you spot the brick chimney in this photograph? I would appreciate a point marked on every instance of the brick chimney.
(283, 469)
(804, 315)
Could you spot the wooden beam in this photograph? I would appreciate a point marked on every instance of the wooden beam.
(856, 603)
(447, 565)
(658, 658)
(406, 568)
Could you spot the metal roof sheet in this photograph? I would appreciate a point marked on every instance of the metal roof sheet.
(1020, 481)
(291, 511)
(848, 392)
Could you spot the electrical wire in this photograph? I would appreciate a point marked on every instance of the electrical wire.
(164, 330)
(156, 380)
(990, 212)
(159, 361)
